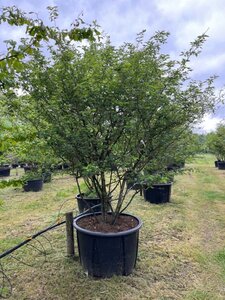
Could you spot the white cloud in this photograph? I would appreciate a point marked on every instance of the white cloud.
(212, 24)
(208, 65)
(208, 124)
(189, 18)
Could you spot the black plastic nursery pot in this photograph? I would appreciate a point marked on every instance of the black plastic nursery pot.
(22, 165)
(176, 166)
(61, 166)
(158, 193)
(34, 185)
(47, 177)
(14, 166)
(6, 165)
(216, 163)
(103, 255)
(30, 168)
(4, 171)
(221, 165)
(85, 203)
(134, 185)
(27, 168)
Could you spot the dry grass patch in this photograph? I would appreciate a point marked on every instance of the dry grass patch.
(181, 248)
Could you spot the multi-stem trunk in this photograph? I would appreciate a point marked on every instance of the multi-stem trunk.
(120, 199)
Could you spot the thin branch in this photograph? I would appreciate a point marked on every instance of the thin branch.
(129, 201)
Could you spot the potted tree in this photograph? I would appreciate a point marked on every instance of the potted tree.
(4, 171)
(157, 188)
(30, 147)
(106, 106)
(88, 201)
(216, 145)
(5, 126)
(32, 181)
(4, 165)
(158, 177)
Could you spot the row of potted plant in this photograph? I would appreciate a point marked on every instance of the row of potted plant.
(32, 180)
(215, 142)
(156, 190)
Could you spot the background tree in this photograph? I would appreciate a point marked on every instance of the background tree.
(216, 142)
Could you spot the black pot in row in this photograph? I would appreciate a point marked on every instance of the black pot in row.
(158, 193)
(4, 171)
(220, 164)
(34, 185)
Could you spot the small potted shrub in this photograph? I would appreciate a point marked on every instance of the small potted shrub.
(133, 182)
(4, 165)
(176, 166)
(32, 181)
(30, 167)
(157, 188)
(87, 199)
(4, 171)
(216, 145)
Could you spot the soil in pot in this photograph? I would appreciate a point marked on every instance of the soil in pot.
(34, 185)
(95, 223)
(158, 193)
(108, 253)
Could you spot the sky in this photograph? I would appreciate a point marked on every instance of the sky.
(123, 19)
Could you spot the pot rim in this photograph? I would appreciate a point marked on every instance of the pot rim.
(159, 184)
(86, 198)
(104, 234)
(38, 179)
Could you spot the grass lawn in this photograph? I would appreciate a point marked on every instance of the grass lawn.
(181, 248)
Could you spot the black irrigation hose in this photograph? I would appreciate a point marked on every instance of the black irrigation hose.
(7, 252)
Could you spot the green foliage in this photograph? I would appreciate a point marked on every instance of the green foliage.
(201, 143)
(216, 142)
(19, 140)
(88, 190)
(1, 203)
(166, 177)
(31, 175)
(11, 183)
(113, 111)
(38, 34)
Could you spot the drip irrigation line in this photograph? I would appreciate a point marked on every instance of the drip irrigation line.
(9, 251)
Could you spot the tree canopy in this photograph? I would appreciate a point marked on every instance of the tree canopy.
(37, 33)
(216, 142)
(111, 111)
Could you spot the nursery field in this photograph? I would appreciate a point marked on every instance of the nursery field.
(181, 247)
